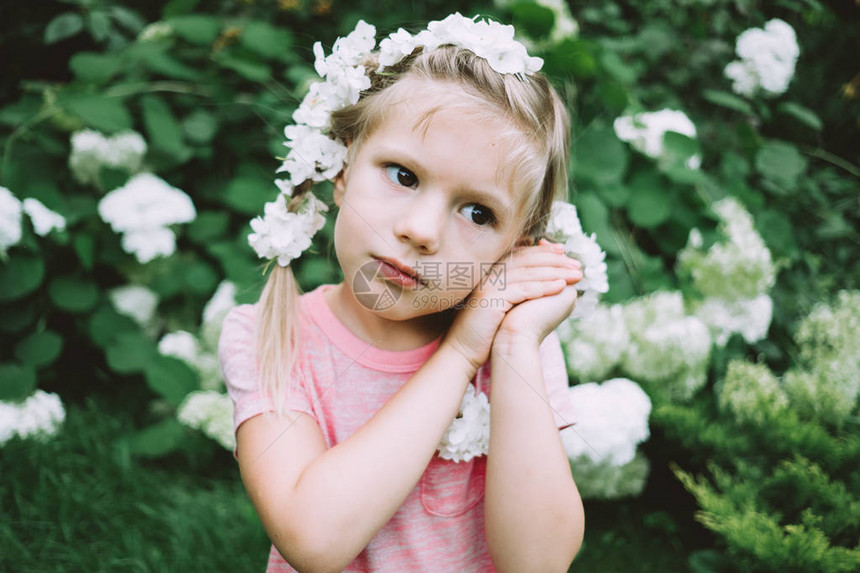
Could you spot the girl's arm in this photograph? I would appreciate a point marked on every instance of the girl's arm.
(322, 507)
(533, 513)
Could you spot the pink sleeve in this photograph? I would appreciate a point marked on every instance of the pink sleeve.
(555, 380)
(237, 352)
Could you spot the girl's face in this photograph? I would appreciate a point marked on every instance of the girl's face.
(428, 193)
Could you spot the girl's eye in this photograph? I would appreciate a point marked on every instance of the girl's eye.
(480, 215)
(401, 176)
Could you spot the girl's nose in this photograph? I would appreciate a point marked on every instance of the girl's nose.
(421, 224)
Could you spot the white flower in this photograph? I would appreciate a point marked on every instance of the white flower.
(44, 220)
(396, 47)
(10, 220)
(40, 415)
(180, 344)
(91, 151)
(749, 317)
(668, 350)
(315, 109)
(611, 421)
(143, 208)
(285, 235)
(8, 422)
(737, 268)
(563, 221)
(645, 131)
(313, 155)
(149, 244)
(767, 60)
(751, 392)
(602, 480)
(211, 412)
(564, 226)
(468, 436)
(214, 312)
(595, 344)
(134, 301)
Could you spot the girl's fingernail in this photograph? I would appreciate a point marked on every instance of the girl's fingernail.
(558, 247)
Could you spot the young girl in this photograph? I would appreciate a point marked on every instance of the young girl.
(376, 452)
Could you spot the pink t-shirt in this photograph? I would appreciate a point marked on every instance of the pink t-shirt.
(344, 381)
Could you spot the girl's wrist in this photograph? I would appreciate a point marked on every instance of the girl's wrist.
(507, 342)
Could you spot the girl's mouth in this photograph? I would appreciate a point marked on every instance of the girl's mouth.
(396, 272)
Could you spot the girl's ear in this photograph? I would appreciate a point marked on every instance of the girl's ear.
(340, 185)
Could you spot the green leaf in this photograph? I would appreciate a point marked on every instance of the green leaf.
(106, 324)
(247, 195)
(85, 247)
(599, 156)
(161, 126)
(200, 277)
(95, 67)
(200, 126)
(572, 56)
(20, 276)
(157, 60)
(804, 115)
(267, 41)
(650, 201)
(63, 26)
(99, 112)
(73, 294)
(250, 70)
(156, 440)
(130, 352)
(196, 28)
(39, 349)
(615, 194)
(16, 317)
(208, 226)
(16, 381)
(128, 19)
(535, 20)
(171, 378)
(595, 219)
(781, 163)
(727, 100)
(99, 25)
(616, 68)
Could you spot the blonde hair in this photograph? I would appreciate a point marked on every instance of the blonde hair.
(531, 106)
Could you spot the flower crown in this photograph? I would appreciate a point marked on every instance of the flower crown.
(314, 156)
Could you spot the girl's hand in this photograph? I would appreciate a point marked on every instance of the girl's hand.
(540, 274)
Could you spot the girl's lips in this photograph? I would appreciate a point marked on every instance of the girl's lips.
(397, 272)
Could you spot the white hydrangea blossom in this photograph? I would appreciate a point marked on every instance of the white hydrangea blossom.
(748, 317)
(44, 220)
(142, 209)
(645, 131)
(564, 227)
(10, 220)
(751, 392)
(668, 350)
(214, 312)
(826, 382)
(468, 436)
(315, 156)
(284, 235)
(91, 151)
(595, 344)
(136, 302)
(767, 60)
(602, 480)
(39, 416)
(734, 275)
(611, 421)
(180, 344)
(212, 413)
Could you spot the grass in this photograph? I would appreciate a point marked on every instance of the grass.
(75, 503)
